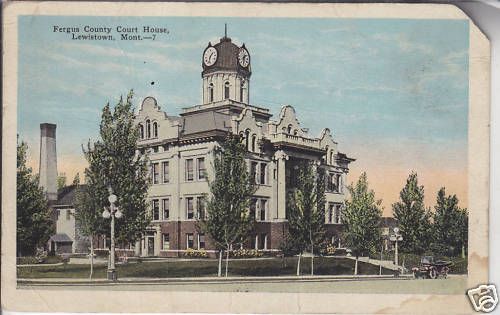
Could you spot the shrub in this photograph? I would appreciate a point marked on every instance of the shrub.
(246, 253)
(193, 253)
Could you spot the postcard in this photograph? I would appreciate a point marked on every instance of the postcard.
(245, 158)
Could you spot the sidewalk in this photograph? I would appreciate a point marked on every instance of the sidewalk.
(126, 280)
(388, 264)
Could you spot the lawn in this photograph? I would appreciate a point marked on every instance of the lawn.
(205, 268)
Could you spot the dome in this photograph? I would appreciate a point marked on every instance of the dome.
(227, 58)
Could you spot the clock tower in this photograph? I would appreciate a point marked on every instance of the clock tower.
(226, 72)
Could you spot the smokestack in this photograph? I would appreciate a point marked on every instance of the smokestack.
(48, 160)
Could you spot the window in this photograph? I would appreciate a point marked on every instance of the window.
(253, 208)
(189, 240)
(262, 210)
(156, 210)
(155, 173)
(226, 90)
(200, 207)
(289, 129)
(330, 212)
(141, 131)
(155, 130)
(295, 132)
(211, 92)
(263, 241)
(247, 138)
(337, 219)
(166, 241)
(148, 129)
(254, 242)
(201, 241)
(166, 172)
(254, 142)
(242, 91)
(166, 208)
(253, 171)
(190, 207)
(189, 170)
(263, 173)
(201, 168)
(68, 215)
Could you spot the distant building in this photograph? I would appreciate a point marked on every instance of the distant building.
(181, 154)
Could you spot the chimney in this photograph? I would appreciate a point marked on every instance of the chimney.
(48, 160)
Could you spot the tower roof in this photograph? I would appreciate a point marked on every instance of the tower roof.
(227, 58)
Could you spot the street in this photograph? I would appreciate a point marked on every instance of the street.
(455, 284)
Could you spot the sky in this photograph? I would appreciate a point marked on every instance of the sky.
(394, 92)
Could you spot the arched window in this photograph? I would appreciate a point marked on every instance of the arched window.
(226, 90)
(331, 157)
(247, 136)
(148, 129)
(295, 132)
(155, 130)
(242, 137)
(254, 142)
(211, 92)
(289, 129)
(242, 90)
(284, 129)
(141, 131)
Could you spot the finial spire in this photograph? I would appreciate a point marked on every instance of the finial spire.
(225, 29)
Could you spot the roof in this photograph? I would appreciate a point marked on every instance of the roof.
(227, 57)
(205, 121)
(60, 238)
(67, 195)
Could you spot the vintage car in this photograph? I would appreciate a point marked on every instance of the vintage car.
(431, 269)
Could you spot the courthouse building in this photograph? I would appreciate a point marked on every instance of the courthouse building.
(181, 150)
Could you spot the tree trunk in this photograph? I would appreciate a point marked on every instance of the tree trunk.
(227, 258)
(91, 256)
(356, 266)
(298, 264)
(463, 251)
(219, 271)
(312, 259)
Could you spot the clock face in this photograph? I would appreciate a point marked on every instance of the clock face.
(210, 56)
(244, 57)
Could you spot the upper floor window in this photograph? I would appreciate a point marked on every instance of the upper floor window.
(263, 173)
(253, 171)
(141, 131)
(226, 90)
(263, 210)
(148, 129)
(242, 91)
(254, 142)
(166, 171)
(289, 129)
(200, 207)
(202, 171)
(190, 208)
(155, 130)
(166, 208)
(337, 217)
(189, 170)
(247, 136)
(156, 209)
(155, 173)
(253, 208)
(211, 92)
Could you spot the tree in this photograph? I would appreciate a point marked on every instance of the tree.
(306, 210)
(88, 218)
(61, 181)
(450, 225)
(361, 218)
(228, 220)
(413, 218)
(34, 224)
(113, 162)
(76, 179)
